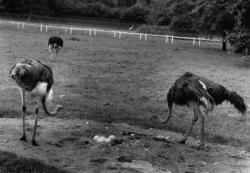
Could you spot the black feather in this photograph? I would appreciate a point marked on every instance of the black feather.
(237, 101)
(30, 72)
(55, 41)
(189, 88)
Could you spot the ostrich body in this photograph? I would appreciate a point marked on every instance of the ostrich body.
(36, 79)
(55, 44)
(195, 91)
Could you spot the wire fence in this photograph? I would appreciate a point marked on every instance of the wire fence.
(116, 33)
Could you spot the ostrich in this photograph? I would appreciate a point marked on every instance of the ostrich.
(131, 28)
(195, 91)
(55, 44)
(37, 79)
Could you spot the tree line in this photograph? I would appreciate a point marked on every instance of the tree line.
(228, 18)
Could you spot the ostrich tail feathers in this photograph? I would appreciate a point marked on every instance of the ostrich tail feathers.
(236, 100)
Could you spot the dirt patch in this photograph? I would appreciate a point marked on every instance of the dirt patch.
(69, 144)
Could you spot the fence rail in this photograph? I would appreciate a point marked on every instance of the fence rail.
(94, 31)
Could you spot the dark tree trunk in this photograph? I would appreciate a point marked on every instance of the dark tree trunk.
(224, 45)
(31, 9)
(224, 41)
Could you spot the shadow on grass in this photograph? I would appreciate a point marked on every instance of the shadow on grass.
(11, 163)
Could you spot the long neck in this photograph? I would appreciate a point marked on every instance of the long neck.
(51, 113)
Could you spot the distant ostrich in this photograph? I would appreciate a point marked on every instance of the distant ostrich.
(196, 91)
(55, 44)
(36, 78)
(131, 28)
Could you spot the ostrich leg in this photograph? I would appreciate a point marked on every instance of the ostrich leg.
(195, 118)
(202, 140)
(55, 55)
(34, 132)
(23, 137)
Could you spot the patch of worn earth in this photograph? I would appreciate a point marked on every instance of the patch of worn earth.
(69, 144)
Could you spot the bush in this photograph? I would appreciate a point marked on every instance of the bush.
(136, 13)
(153, 29)
(182, 23)
(98, 9)
(240, 42)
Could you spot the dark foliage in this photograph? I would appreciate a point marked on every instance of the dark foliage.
(136, 13)
(240, 41)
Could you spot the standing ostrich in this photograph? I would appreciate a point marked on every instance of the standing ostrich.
(196, 91)
(36, 78)
(55, 44)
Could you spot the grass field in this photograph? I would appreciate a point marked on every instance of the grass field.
(126, 80)
(107, 79)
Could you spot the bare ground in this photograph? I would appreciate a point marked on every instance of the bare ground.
(106, 84)
(68, 145)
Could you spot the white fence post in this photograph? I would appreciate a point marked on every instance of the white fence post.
(116, 33)
(41, 27)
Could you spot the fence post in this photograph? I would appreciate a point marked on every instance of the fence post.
(140, 36)
(120, 35)
(46, 28)
(65, 31)
(22, 25)
(199, 41)
(41, 28)
(90, 32)
(146, 36)
(114, 34)
(71, 30)
(193, 41)
(18, 27)
(95, 32)
(172, 39)
(166, 39)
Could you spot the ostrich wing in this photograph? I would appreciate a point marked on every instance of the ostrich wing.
(197, 93)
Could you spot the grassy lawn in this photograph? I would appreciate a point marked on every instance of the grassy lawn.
(126, 80)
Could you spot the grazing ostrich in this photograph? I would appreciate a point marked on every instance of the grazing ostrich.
(131, 28)
(55, 44)
(36, 78)
(196, 91)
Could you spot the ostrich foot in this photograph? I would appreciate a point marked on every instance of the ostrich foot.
(156, 119)
(34, 143)
(183, 141)
(201, 146)
(23, 138)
